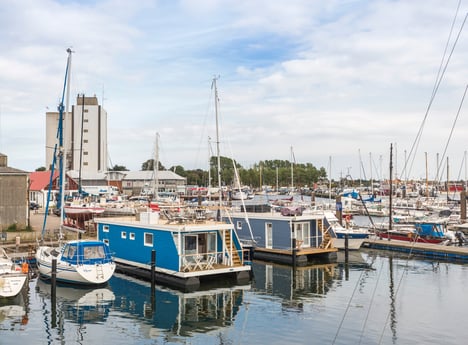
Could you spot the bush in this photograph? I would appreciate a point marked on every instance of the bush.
(12, 227)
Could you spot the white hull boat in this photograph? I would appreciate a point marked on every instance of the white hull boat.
(83, 262)
(356, 236)
(13, 277)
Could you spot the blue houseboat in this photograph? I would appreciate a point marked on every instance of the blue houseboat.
(296, 239)
(188, 248)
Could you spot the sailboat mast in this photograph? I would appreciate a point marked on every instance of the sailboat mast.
(81, 143)
(292, 169)
(209, 167)
(156, 169)
(390, 202)
(217, 141)
(448, 180)
(329, 179)
(63, 156)
(427, 178)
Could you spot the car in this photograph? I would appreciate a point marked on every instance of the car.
(33, 205)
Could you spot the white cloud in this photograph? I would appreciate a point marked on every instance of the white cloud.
(328, 78)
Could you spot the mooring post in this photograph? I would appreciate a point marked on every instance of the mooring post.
(463, 205)
(153, 279)
(346, 247)
(53, 290)
(294, 252)
(153, 266)
(339, 209)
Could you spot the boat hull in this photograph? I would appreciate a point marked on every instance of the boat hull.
(82, 274)
(410, 238)
(11, 284)
(353, 243)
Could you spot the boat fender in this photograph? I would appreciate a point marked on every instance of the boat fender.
(24, 267)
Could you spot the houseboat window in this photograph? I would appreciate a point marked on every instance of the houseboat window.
(175, 236)
(123, 234)
(202, 243)
(106, 241)
(132, 236)
(302, 233)
(148, 239)
(239, 225)
(190, 244)
(105, 228)
(211, 243)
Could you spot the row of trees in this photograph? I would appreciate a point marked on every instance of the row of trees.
(269, 172)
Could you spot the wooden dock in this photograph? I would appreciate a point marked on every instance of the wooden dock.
(303, 257)
(426, 250)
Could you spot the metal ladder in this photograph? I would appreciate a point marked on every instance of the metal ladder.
(99, 271)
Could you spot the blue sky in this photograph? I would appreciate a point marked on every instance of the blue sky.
(332, 79)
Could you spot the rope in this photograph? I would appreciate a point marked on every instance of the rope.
(438, 81)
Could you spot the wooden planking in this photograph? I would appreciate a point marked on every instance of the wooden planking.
(302, 251)
(434, 251)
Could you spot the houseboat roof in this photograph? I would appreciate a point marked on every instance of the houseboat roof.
(183, 225)
(276, 216)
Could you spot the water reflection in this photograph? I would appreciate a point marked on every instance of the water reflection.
(175, 313)
(294, 285)
(13, 311)
(79, 305)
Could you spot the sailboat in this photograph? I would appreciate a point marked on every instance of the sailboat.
(13, 277)
(84, 262)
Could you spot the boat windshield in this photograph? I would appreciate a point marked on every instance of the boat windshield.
(92, 253)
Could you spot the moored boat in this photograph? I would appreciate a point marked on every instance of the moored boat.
(13, 277)
(427, 232)
(354, 236)
(83, 262)
(190, 247)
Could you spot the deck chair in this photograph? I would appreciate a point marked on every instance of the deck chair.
(210, 262)
(187, 265)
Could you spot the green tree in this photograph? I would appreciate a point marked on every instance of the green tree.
(149, 165)
(118, 168)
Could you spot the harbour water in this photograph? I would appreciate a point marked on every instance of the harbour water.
(377, 298)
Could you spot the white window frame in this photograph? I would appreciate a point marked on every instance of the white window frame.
(147, 243)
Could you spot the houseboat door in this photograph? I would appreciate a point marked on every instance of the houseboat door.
(269, 235)
(302, 234)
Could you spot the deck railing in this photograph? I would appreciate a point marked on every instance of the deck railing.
(209, 261)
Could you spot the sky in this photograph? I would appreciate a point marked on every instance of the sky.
(332, 83)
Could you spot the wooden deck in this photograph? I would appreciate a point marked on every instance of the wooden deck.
(302, 251)
(427, 250)
(303, 255)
